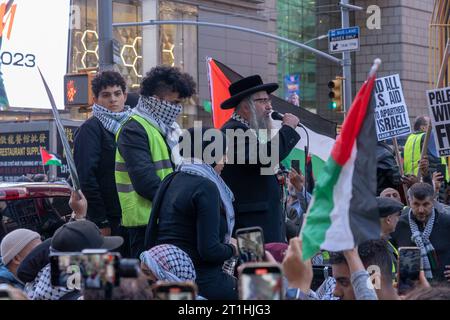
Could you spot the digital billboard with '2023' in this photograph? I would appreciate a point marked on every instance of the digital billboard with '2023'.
(33, 34)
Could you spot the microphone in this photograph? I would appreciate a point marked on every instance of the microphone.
(279, 116)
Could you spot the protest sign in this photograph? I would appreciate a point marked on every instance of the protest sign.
(439, 104)
(391, 113)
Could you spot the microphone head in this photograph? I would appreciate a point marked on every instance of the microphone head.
(276, 115)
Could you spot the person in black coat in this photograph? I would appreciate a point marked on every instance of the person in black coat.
(388, 173)
(252, 179)
(193, 210)
(421, 214)
(95, 150)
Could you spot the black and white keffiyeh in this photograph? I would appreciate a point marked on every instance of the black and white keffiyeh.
(199, 168)
(111, 121)
(42, 289)
(169, 263)
(162, 115)
(237, 117)
(422, 240)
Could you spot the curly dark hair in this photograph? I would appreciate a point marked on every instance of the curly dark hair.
(371, 252)
(164, 79)
(107, 79)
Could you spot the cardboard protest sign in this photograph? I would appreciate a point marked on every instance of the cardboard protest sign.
(391, 113)
(439, 104)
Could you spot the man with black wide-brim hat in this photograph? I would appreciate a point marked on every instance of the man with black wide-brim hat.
(257, 193)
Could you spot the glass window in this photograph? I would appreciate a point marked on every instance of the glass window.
(178, 45)
(84, 40)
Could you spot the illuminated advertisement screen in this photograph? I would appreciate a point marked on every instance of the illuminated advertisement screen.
(33, 34)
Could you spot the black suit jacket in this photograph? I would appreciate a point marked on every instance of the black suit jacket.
(257, 196)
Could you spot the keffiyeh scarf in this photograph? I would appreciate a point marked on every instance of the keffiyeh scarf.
(42, 289)
(199, 168)
(169, 263)
(111, 121)
(422, 240)
(237, 117)
(162, 115)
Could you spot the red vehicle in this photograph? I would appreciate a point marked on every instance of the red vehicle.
(39, 206)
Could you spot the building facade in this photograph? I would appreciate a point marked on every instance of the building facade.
(397, 33)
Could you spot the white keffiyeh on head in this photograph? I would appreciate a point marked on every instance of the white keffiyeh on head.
(162, 115)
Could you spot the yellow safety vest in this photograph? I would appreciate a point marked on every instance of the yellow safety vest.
(136, 209)
(412, 154)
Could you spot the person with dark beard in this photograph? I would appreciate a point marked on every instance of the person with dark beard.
(147, 147)
(253, 154)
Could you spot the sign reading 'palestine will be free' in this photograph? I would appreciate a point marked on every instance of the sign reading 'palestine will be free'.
(439, 104)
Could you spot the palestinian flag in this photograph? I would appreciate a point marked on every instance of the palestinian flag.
(322, 132)
(49, 159)
(343, 211)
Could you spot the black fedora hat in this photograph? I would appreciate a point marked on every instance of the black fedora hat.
(245, 87)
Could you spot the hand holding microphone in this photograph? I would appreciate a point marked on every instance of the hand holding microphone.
(288, 119)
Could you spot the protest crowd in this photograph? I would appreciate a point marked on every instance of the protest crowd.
(219, 214)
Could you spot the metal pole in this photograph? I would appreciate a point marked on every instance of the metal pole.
(105, 34)
(226, 26)
(346, 60)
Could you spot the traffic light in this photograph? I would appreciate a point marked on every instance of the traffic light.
(335, 94)
(77, 89)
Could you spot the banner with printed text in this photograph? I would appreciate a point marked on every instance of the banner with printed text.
(391, 113)
(439, 104)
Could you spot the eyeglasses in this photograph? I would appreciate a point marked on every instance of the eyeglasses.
(263, 100)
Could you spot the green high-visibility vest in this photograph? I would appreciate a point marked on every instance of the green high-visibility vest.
(136, 209)
(412, 154)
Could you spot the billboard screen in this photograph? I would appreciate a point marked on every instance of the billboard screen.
(33, 34)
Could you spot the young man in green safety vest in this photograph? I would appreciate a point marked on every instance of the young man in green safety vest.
(413, 148)
(147, 147)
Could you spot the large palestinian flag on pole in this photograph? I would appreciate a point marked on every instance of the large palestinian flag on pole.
(322, 132)
(343, 211)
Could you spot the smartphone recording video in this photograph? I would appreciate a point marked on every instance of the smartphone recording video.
(65, 270)
(250, 243)
(320, 274)
(295, 164)
(409, 265)
(175, 291)
(93, 270)
(101, 270)
(261, 281)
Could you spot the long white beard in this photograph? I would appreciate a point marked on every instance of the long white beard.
(261, 125)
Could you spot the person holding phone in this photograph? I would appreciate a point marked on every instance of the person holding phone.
(424, 226)
(193, 211)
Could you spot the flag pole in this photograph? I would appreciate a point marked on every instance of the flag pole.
(400, 167)
(375, 66)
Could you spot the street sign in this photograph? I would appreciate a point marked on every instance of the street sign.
(343, 40)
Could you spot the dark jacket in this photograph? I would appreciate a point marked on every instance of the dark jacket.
(439, 239)
(7, 277)
(37, 259)
(94, 155)
(388, 173)
(257, 197)
(133, 145)
(187, 213)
